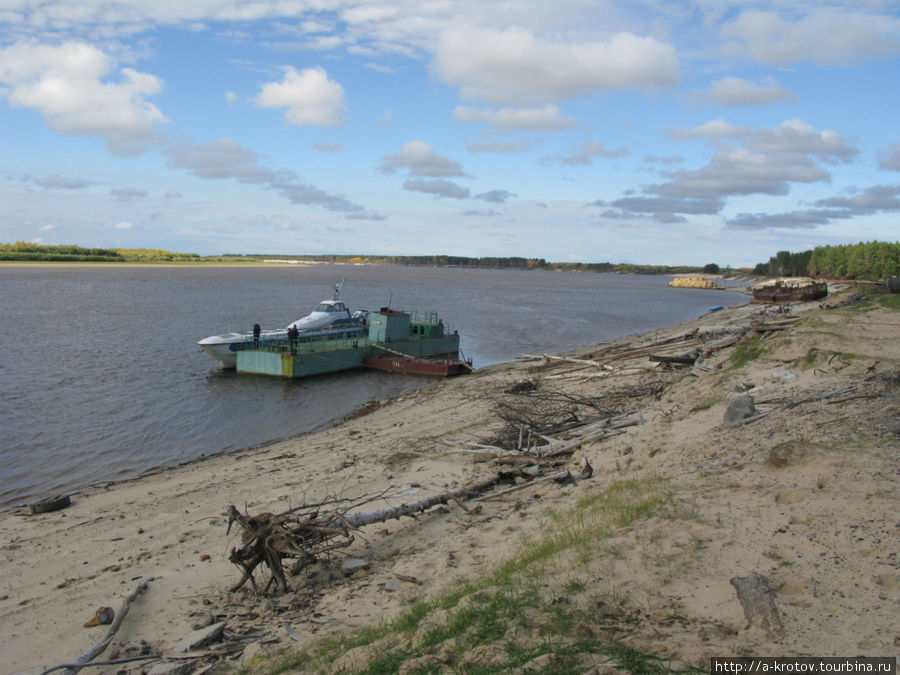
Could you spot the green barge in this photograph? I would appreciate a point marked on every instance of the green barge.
(396, 341)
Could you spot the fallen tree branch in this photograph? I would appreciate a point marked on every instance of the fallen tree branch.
(267, 539)
(95, 651)
(113, 662)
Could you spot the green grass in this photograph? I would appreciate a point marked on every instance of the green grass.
(746, 352)
(885, 299)
(826, 358)
(514, 613)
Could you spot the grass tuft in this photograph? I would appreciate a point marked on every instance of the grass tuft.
(746, 352)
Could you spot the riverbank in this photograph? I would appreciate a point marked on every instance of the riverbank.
(805, 496)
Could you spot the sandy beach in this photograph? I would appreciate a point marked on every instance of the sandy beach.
(802, 491)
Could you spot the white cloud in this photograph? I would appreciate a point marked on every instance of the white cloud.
(311, 26)
(365, 215)
(890, 158)
(421, 160)
(797, 136)
(495, 196)
(824, 36)
(713, 129)
(547, 117)
(172, 193)
(734, 91)
(57, 182)
(226, 159)
(66, 84)
(873, 198)
(127, 194)
(386, 120)
(499, 146)
(740, 171)
(231, 98)
(309, 96)
(768, 162)
(586, 153)
(124, 225)
(513, 66)
(380, 68)
(792, 220)
(437, 187)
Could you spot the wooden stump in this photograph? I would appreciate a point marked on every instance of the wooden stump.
(758, 601)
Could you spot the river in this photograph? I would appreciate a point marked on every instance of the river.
(101, 378)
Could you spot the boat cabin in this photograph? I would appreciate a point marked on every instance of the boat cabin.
(331, 306)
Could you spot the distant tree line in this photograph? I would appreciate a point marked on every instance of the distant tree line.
(22, 251)
(37, 252)
(512, 262)
(420, 260)
(25, 252)
(156, 255)
(872, 260)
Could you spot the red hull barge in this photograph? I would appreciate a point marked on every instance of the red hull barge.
(418, 366)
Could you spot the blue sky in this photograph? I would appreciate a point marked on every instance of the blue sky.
(643, 131)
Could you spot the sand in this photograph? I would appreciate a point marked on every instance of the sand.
(806, 496)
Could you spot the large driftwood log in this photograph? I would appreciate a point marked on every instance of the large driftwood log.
(268, 539)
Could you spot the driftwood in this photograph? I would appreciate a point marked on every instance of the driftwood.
(567, 359)
(758, 601)
(627, 351)
(97, 664)
(564, 476)
(268, 539)
(529, 411)
(50, 504)
(684, 360)
(85, 659)
(587, 374)
(587, 433)
(794, 404)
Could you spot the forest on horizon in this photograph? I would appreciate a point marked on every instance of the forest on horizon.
(866, 260)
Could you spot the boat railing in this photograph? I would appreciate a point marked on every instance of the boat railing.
(426, 317)
(429, 318)
(284, 345)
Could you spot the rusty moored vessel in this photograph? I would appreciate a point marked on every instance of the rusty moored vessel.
(788, 289)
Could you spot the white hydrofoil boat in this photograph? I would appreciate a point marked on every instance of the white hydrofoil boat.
(331, 319)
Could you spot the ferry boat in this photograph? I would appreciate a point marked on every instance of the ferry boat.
(330, 320)
(414, 344)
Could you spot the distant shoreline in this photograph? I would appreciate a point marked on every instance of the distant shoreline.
(314, 263)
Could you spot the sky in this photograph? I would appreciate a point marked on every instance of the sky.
(679, 132)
